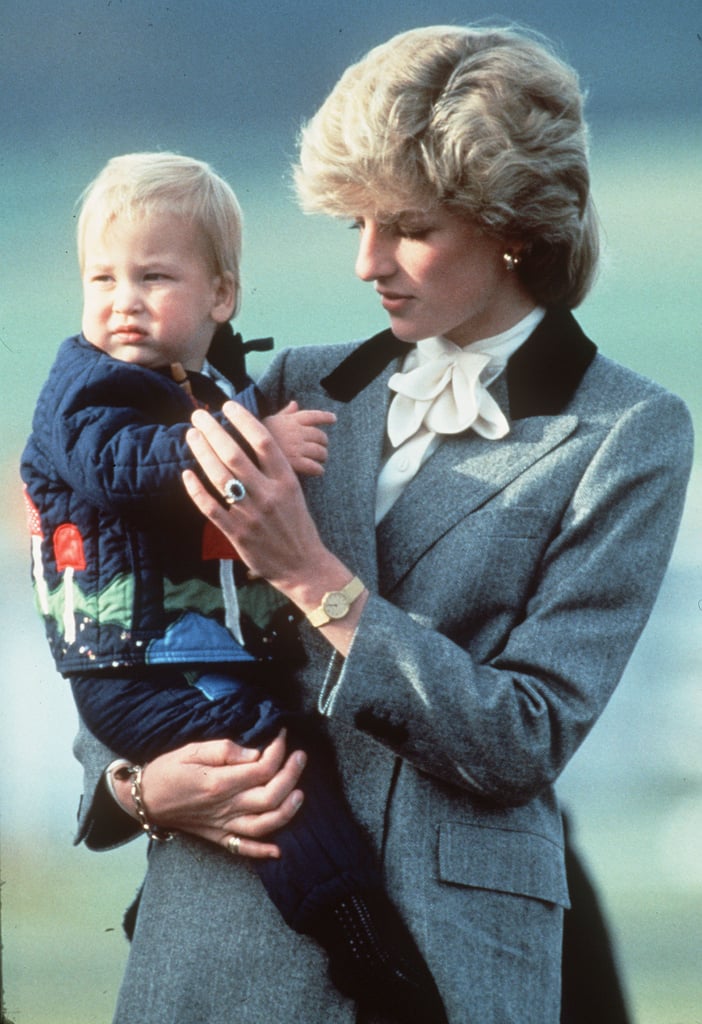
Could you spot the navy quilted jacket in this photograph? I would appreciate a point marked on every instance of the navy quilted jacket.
(125, 569)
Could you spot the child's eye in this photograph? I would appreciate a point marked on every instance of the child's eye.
(155, 275)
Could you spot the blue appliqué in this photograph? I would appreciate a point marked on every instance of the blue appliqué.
(194, 638)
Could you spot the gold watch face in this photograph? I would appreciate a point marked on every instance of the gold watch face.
(336, 605)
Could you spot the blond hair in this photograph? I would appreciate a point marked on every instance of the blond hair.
(146, 184)
(485, 121)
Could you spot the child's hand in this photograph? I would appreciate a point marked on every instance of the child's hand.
(300, 437)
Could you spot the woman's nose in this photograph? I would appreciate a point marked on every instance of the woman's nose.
(375, 258)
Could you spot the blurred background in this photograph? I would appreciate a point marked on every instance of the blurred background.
(230, 83)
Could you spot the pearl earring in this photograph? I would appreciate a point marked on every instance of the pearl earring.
(511, 261)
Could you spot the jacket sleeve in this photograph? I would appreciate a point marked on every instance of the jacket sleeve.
(117, 438)
(504, 724)
(142, 719)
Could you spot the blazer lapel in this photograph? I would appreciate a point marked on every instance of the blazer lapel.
(363, 366)
(465, 471)
(347, 518)
(462, 475)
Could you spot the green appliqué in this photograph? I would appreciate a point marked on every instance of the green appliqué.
(112, 605)
(260, 601)
(115, 604)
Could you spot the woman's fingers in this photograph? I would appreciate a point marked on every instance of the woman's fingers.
(243, 848)
(269, 796)
(203, 500)
(217, 788)
(270, 527)
(220, 753)
(215, 466)
(222, 458)
(272, 807)
(255, 787)
(250, 848)
(219, 453)
(257, 826)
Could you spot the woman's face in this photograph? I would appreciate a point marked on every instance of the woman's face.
(437, 274)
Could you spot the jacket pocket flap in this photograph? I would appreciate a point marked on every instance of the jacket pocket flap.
(503, 860)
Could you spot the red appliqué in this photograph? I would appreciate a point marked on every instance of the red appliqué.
(68, 547)
(216, 545)
(33, 517)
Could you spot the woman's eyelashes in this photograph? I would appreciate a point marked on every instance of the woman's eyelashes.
(398, 229)
(414, 232)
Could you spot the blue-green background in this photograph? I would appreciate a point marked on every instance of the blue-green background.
(230, 83)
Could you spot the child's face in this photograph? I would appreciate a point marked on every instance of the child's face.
(149, 295)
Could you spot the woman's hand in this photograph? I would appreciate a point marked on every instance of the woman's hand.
(270, 527)
(268, 522)
(217, 789)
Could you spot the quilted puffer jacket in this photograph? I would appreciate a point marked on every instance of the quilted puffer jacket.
(126, 571)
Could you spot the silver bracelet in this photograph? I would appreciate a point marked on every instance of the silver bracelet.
(135, 772)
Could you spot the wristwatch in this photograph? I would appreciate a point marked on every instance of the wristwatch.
(336, 603)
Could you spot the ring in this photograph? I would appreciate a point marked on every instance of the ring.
(233, 844)
(233, 491)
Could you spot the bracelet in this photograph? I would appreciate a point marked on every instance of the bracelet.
(135, 772)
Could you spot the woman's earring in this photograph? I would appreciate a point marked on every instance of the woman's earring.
(511, 261)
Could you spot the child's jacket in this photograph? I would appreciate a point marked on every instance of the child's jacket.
(126, 571)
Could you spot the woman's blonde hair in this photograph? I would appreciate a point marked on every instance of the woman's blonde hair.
(140, 185)
(485, 121)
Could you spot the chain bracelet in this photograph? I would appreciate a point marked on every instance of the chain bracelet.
(135, 772)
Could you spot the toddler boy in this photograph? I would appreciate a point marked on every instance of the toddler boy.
(147, 610)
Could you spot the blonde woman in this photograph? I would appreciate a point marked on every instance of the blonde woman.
(476, 564)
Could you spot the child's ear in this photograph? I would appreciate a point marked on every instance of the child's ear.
(226, 289)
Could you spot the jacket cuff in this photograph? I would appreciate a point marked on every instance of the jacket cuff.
(105, 825)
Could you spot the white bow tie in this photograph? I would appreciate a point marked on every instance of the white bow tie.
(445, 393)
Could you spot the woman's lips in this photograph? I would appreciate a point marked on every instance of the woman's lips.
(393, 302)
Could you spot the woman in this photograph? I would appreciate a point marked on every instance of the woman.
(507, 498)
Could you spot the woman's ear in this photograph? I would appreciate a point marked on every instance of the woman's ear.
(225, 297)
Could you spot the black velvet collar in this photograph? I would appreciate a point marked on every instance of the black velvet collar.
(542, 375)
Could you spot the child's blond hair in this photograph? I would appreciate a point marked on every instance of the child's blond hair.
(144, 184)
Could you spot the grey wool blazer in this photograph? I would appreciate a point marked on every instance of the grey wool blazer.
(509, 584)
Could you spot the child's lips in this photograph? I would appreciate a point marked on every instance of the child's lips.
(129, 333)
